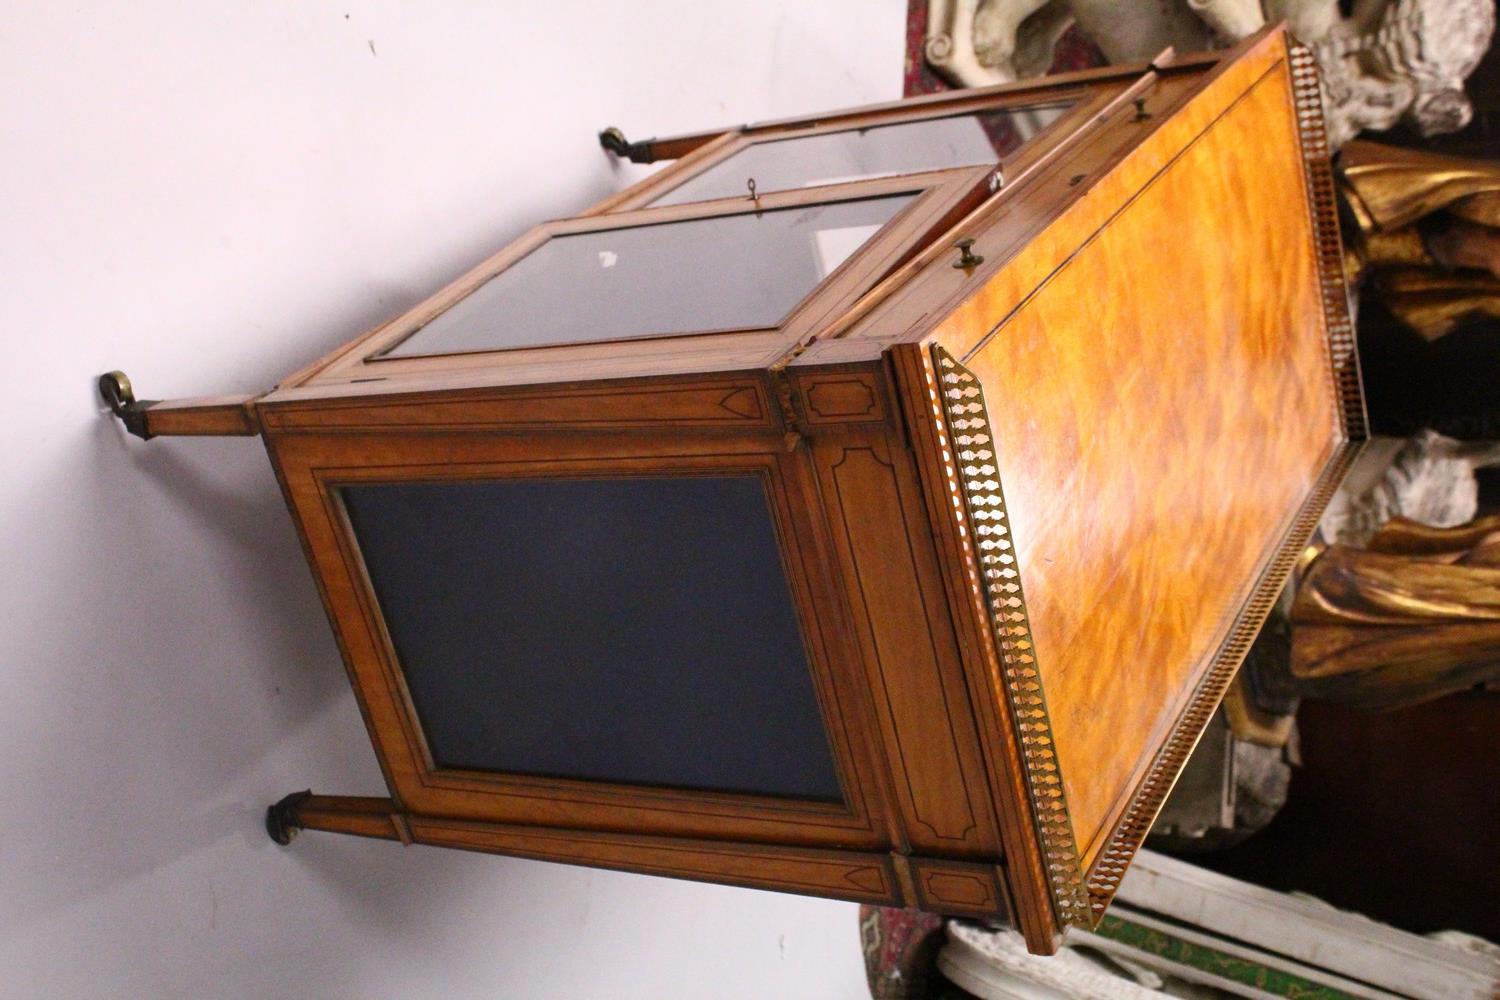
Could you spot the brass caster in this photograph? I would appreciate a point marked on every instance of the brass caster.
(119, 395)
(281, 818)
(614, 140)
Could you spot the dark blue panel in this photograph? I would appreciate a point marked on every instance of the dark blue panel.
(634, 630)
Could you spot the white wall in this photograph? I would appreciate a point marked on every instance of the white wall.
(208, 195)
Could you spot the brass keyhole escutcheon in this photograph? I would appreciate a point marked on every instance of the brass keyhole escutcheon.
(967, 258)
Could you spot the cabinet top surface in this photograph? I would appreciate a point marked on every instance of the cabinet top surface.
(1171, 393)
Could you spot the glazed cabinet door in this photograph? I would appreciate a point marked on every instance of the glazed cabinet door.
(596, 631)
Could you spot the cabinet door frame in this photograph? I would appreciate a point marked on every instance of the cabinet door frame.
(941, 199)
(313, 466)
(1078, 105)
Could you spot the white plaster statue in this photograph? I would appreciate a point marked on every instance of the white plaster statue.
(1428, 478)
(1388, 60)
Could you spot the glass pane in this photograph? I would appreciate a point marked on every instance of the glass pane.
(631, 630)
(728, 272)
(859, 154)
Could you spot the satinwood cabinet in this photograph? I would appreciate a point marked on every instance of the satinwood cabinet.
(872, 505)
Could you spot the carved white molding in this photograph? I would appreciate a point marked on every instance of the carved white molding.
(1389, 60)
(1428, 478)
(1302, 929)
(996, 966)
(1284, 932)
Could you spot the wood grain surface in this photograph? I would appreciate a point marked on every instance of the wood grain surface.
(1158, 382)
(214, 416)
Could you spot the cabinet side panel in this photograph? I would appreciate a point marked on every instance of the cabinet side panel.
(882, 539)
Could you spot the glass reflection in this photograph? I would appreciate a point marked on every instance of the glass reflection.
(744, 271)
(861, 154)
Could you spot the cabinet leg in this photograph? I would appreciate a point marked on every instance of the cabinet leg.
(218, 416)
(360, 817)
